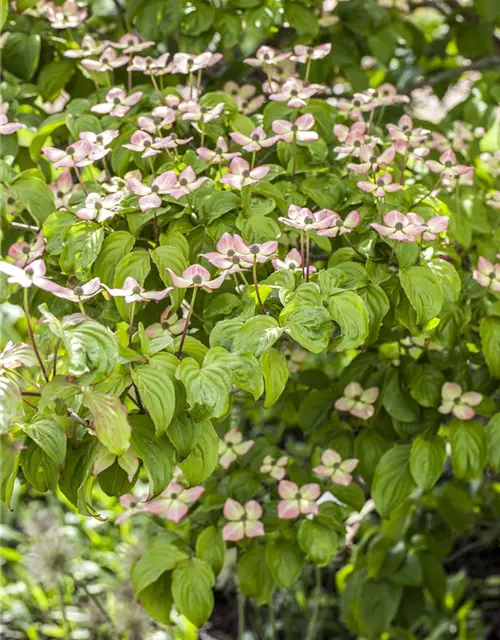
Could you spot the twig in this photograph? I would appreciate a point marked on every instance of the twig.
(489, 62)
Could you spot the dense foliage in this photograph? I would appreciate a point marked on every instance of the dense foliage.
(253, 292)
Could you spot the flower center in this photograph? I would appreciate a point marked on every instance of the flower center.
(380, 182)
(357, 144)
(70, 151)
(308, 220)
(218, 150)
(183, 182)
(356, 103)
(26, 250)
(173, 496)
(294, 128)
(131, 43)
(146, 143)
(245, 173)
(203, 109)
(292, 265)
(373, 159)
(255, 137)
(105, 60)
(136, 290)
(78, 291)
(254, 248)
(294, 92)
(28, 271)
(155, 188)
(339, 223)
(448, 164)
(116, 100)
(398, 226)
(236, 259)
(10, 200)
(98, 205)
(197, 280)
(59, 194)
(357, 397)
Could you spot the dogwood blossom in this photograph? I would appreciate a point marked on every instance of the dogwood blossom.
(244, 520)
(298, 130)
(381, 187)
(302, 53)
(63, 189)
(79, 293)
(149, 194)
(32, 273)
(186, 63)
(337, 470)
(6, 127)
(358, 401)
(66, 16)
(232, 447)
(23, 253)
(370, 162)
(220, 154)
(132, 291)
(227, 256)
(458, 403)
(150, 66)
(291, 262)
(293, 92)
(117, 103)
(88, 47)
(255, 141)
(297, 501)
(240, 175)
(146, 145)
(447, 165)
(251, 253)
(108, 61)
(57, 105)
(196, 276)
(76, 155)
(195, 112)
(435, 226)
(100, 208)
(400, 227)
(266, 56)
(186, 183)
(276, 468)
(172, 504)
(244, 97)
(131, 43)
(487, 274)
(304, 219)
(338, 226)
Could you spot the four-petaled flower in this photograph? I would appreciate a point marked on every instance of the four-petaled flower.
(487, 274)
(291, 262)
(254, 141)
(108, 61)
(196, 276)
(32, 273)
(232, 447)
(194, 111)
(132, 291)
(299, 130)
(244, 520)
(339, 227)
(219, 154)
(67, 16)
(6, 127)
(63, 189)
(458, 403)
(297, 501)
(147, 146)
(305, 220)
(117, 102)
(337, 470)
(100, 208)
(267, 56)
(302, 53)
(447, 165)
(240, 175)
(186, 183)
(400, 227)
(381, 187)
(276, 468)
(227, 256)
(435, 226)
(358, 401)
(22, 253)
(370, 162)
(78, 293)
(293, 92)
(76, 155)
(149, 198)
(251, 253)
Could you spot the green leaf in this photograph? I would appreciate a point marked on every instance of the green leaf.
(369, 447)
(47, 433)
(275, 370)
(301, 18)
(82, 244)
(157, 598)
(489, 330)
(211, 548)
(114, 248)
(57, 390)
(256, 335)
(469, 448)
(39, 469)
(137, 265)
(285, 563)
(4, 11)
(21, 54)
(425, 385)
(91, 351)
(184, 433)
(76, 478)
(424, 292)
(34, 194)
(393, 481)
(448, 277)
(247, 374)
(55, 228)
(326, 191)
(254, 578)
(158, 395)
(218, 204)
(396, 400)
(493, 431)
(308, 325)
(201, 462)
(426, 460)
(10, 401)
(350, 312)
(172, 257)
(207, 387)
(157, 454)
(378, 604)
(10, 454)
(192, 582)
(55, 76)
(48, 126)
(109, 418)
(318, 542)
(160, 556)
(377, 305)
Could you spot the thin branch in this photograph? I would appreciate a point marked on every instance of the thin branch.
(490, 62)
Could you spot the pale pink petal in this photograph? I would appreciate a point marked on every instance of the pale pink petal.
(288, 509)
(233, 510)
(233, 531)
(287, 490)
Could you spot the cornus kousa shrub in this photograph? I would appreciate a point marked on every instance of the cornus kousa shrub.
(252, 291)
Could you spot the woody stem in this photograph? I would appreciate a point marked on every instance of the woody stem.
(32, 335)
(186, 326)
(79, 177)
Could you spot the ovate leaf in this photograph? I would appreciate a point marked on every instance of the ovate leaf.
(157, 393)
(424, 292)
(109, 418)
(350, 312)
(469, 448)
(393, 481)
(426, 460)
(192, 582)
(275, 370)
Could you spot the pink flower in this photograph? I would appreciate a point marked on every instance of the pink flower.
(404, 135)
(266, 56)
(400, 227)
(387, 95)
(372, 163)
(305, 220)
(275, 468)
(354, 139)
(227, 256)
(294, 93)
(240, 175)
(132, 291)
(58, 104)
(32, 273)
(89, 47)
(195, 112)
(108, 61)
(354, 108)
(130, 43)
(292, 262)
(67, 16)
(143, 143)
(358, 401)
(232, 447)
(458, 403)
(435, 226)
(243, 97)
(494, 200)
(196, 276)
(186, 183)
(244, 521)
(337, 470)
(163, 116)
(173, 503)
(381, 187)
(76, 155)
(6, 127)
(302, 53)
(255, 141)
(487, 274)
(219, 154)
(63, 189)
(22, 253)
(100, 208)
(255, 252)
(295, 501)
(99, 141)
(150, 66)
(79, 293)
(298, 130)
(339, 227)
(447, 165)
(149, 194)
(186, 63)
(117, 102)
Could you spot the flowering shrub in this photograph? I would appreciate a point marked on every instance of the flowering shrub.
(277, 305)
